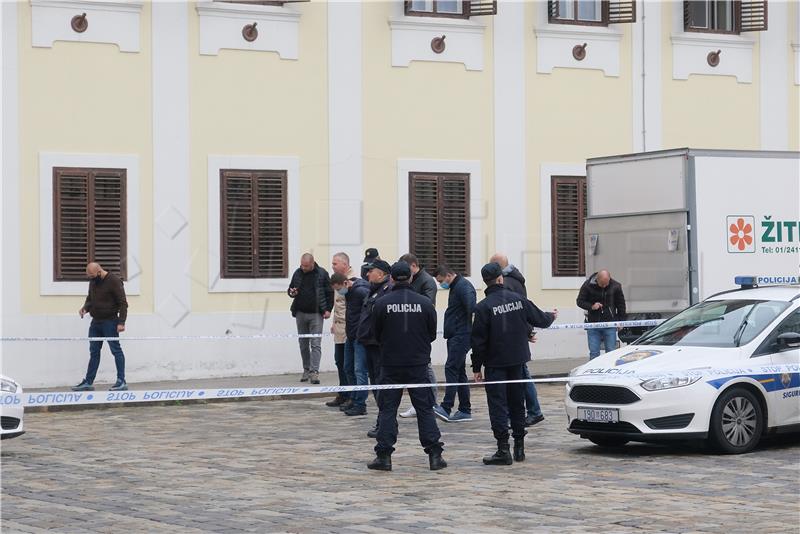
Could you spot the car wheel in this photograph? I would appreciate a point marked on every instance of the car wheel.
(737, 422)
(608, 441)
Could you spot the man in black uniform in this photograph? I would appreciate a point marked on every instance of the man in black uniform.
(501, 331)
(405, 326)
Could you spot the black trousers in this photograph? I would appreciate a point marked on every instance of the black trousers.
(338, 358)
(421, 398)
(374, 366)
(506, 400)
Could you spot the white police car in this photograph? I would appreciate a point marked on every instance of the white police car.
(11, 410)
(726, 370)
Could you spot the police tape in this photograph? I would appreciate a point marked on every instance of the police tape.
(230, 337)
(770, 377)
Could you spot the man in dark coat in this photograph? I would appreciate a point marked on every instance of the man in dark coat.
(405, 327)
(602, 298)
(500, 340)
(515, 281)
(312, 302)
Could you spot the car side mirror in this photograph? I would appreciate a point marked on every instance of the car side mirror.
(789, 340)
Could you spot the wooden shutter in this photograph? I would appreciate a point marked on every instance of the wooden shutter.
(480, 7)
(752, 16)
(568, 211)
(424, 219)
(552, 10)
(621, 12)
(687, 15)
(109, 221)
(272, 246)
(253, 224)
(89, 221)
(439, 220)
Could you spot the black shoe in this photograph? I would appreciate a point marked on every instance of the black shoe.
(119, 386)
(519, 450)
(83, 386)
(337, 401)
(382, 462)
(501, 457)
(533, 419)
(373, 432)
(346, 405)
(356, 410)
(436, 461)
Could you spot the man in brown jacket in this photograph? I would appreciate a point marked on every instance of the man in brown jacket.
(107, 305)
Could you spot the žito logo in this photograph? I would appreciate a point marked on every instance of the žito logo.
(740, 233)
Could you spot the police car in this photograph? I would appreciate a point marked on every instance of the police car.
(726, 370)
(11, 410)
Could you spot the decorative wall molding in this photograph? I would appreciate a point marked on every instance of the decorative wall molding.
(477, 206)
(554, 43)
(108, 21)
(412, 38)
(48, 160)
(221, 26)
(690, 52)
(291, 165)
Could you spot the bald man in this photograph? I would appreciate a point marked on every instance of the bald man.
(312, 303)
(602, 298)
(107, 305)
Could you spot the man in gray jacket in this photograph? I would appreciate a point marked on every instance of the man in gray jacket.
(424, 284)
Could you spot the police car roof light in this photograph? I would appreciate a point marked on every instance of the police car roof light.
(746, 282)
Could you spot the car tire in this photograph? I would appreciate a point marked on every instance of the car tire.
(737, 422)
(608, 441)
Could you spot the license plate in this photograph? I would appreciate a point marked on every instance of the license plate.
(599, 415)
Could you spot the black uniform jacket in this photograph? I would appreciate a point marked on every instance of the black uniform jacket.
(503, 322)
(365, 333)
(405, 326)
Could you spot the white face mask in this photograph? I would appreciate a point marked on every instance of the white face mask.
(507, 269)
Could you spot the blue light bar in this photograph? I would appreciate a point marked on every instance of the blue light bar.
(745, 281)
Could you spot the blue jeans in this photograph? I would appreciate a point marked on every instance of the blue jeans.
(455, 372)
(355, 365)
(531, 398)
(606, 336)
(104, 329)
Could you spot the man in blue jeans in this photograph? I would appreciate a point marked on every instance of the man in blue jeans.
(457, 330)
(602, 298)
(107, 305)
(355, 355)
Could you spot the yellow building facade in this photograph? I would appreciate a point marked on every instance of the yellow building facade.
(345, 101)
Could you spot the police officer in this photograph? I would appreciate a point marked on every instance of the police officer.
(501, 331)
(405, 326)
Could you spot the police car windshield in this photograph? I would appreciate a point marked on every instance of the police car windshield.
(718, 323)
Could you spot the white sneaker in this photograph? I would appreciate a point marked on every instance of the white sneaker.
(411, 412)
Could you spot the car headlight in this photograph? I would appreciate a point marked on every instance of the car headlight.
(670, 381)
(8, 386)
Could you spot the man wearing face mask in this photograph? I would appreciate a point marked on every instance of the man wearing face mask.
(108, 306)
(513, 280)
(457, 328)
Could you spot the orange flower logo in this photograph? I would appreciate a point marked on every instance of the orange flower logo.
(741, 234)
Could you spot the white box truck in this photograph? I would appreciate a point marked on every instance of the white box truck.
(677, 226)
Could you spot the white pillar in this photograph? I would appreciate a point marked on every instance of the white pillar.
(774, 80)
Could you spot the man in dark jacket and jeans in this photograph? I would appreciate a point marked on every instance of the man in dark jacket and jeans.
(513, 280)
(313, 301)
(602, 298)
(405, 327)
(500, 344)
(457, 327)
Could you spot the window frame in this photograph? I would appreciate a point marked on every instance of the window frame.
(578, 22)
(767, 346)
(619, 12)
(57, 228)
(412, 231)
(555, 271)
(738, 19)
(466, 11)
(254, 274)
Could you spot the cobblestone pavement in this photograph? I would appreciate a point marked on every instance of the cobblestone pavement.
(298, 466)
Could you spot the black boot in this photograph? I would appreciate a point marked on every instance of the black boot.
(436, 461)
(382, 462)
(373, 432)
(337, 401)
(519, 449)
(502, 456)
